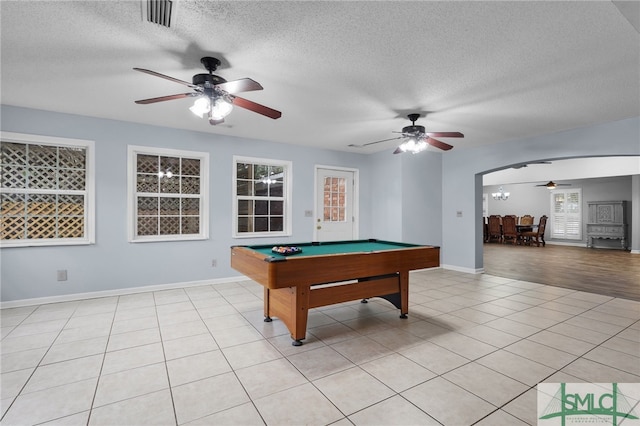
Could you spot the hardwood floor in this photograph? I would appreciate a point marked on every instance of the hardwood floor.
(608, 272)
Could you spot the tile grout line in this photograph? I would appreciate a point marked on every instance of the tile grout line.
(164, 355)
(104, 356)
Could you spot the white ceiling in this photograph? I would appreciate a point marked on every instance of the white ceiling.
(341, 72)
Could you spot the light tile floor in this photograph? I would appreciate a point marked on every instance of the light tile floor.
(471, 352)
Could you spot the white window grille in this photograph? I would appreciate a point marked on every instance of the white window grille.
(168, 194)
(47, 191)
(566, 214)
(262, 197)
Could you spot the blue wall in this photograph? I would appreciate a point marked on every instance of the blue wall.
(113, 263)
(407, 197)
(422, 198)
(386, 207)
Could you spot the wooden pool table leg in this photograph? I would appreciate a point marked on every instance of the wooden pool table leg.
(291, 306)
(267, 318)
(404, 294)
(301, 306)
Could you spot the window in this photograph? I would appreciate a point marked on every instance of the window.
(167, 194)
(334, 199)
(566, 214)
(47, 191)
(262, 199)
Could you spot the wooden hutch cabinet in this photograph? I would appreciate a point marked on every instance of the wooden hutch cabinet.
(606, 220)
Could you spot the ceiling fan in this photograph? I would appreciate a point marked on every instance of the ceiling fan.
(215, 95)
(552, 185)
(521, 165)
(418, 139)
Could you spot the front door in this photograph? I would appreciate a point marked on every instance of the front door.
(336, 206)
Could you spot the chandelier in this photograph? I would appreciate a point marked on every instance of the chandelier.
(500, 195)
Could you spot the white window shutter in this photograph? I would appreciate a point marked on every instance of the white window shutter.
(566, 214)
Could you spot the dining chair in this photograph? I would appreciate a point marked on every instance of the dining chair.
(526, 220)
(537, 235)
(485, 229)
(509, 230)
(495, 232)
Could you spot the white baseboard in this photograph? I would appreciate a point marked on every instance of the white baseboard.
(563, 243)
(584, 245)
(424, 269)
(461, 269)
(117, 292)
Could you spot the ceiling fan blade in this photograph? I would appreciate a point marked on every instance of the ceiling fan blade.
(398, 151)
(166, 77)
(551, 184)
(242, 85)
(383, 140)
(439, 144)
(167, 98)
(255, 107)
(445, 134)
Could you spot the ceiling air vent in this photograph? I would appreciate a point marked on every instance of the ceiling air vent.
(160, 12)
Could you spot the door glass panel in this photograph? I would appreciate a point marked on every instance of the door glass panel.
(334, 199)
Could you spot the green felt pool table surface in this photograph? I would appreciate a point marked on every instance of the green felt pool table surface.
(332, 247)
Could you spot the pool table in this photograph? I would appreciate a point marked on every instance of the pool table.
(325, 273)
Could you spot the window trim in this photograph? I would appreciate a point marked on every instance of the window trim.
(287, 191)
(132, 212)
(89, 191)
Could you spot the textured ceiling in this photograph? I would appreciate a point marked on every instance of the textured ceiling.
(341, 72)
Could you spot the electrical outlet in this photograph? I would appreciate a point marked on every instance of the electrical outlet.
(214, 263)
(62, 274)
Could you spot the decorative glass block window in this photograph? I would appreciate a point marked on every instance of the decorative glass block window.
(46, 190)
(168, 194)
(334, 207)
(262, 197)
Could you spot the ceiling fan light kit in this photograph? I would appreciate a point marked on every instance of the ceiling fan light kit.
(413, 146)
(215, 95)
(220, 108)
